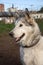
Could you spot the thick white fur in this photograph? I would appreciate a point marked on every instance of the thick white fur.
(31, 55)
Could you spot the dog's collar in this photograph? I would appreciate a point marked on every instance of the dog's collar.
(31, 45)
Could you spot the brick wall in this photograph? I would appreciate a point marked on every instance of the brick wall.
(1, 7)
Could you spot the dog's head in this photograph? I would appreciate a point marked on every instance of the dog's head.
(26, 29)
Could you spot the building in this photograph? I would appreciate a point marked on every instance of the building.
(1, 10)
(9, 20)
(12, 9)
(1, 7)
(37, 15)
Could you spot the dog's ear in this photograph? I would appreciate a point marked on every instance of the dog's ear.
(28, 17)
(27, 14)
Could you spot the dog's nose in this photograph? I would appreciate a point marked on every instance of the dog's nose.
(11, 34)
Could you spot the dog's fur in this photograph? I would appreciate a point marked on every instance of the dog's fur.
(28, 36)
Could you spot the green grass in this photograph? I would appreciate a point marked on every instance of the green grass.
(40, 23)
(5, 27)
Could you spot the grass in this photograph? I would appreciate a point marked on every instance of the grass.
(5, 27)
(40, 23)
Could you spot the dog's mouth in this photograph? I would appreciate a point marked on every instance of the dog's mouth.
(19, 38)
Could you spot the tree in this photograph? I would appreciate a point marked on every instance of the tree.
(41, 10)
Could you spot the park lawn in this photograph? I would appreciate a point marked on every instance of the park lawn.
(40, 23)
(5, 28)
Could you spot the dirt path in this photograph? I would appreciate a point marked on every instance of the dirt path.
(9, 51)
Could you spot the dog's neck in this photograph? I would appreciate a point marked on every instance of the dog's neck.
(33, 42)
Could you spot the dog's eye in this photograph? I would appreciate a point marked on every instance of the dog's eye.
(20, 25)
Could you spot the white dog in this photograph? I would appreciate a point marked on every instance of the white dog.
(27, 35)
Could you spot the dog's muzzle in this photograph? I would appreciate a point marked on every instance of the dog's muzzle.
(19, 38)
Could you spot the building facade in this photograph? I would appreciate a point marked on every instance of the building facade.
(37, 15)
(1, 7)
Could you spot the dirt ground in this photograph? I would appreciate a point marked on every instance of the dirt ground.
(9, 51)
